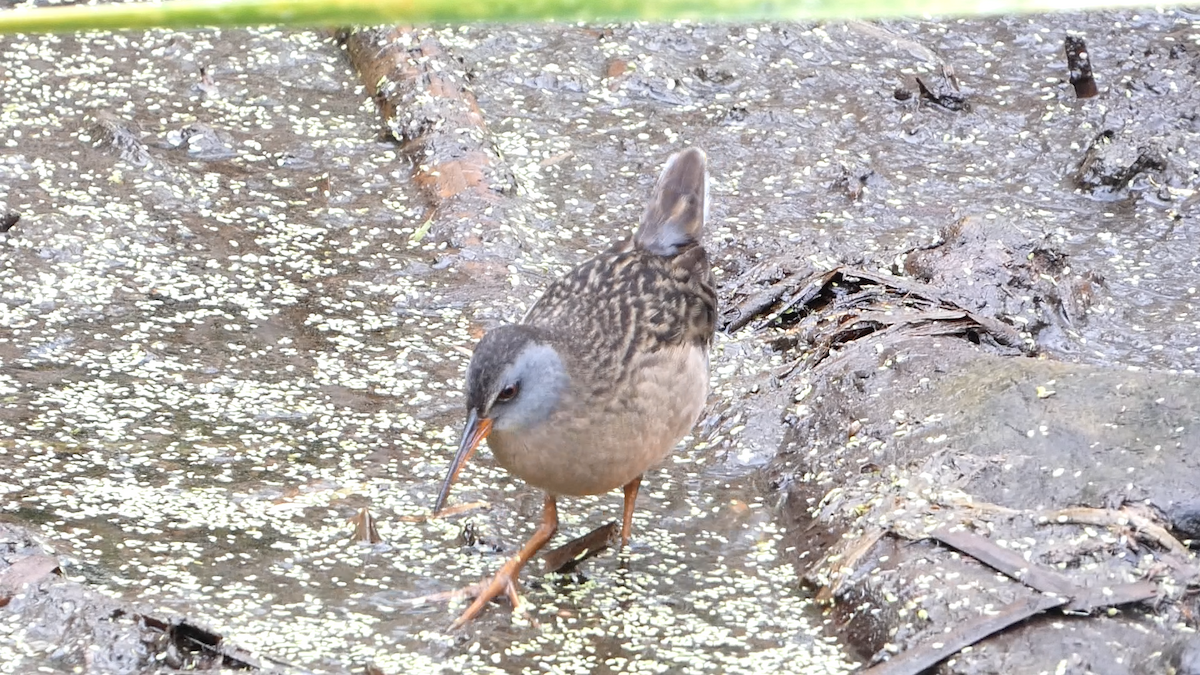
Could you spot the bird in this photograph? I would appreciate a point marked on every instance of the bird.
(606, 372)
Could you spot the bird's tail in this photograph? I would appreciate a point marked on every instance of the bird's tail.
(677, 209)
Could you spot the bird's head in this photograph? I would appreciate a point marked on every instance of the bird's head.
(515, 381)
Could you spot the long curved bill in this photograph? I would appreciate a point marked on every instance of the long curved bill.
(473, 434)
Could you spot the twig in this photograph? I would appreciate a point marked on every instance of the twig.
(570, 554)
(1144, 527)
(854, 551)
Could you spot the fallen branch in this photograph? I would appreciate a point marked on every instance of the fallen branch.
(1012, 565)
(1055, 590)
(923, 657)
(1144, 527)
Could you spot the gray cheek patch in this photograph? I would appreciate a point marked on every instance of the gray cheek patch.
(542, 378)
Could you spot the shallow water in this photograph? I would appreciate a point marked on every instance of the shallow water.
(222, 336)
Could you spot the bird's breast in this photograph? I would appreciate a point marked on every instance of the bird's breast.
(602, 438)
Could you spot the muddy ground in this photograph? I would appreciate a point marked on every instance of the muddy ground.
(956, 388)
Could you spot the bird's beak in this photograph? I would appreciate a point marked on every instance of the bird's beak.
(473, 434)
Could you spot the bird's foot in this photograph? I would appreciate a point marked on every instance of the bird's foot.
(503, 583)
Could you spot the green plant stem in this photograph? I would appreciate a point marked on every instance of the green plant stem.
(195, 13)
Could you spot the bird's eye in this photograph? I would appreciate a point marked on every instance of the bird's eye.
(507, 394)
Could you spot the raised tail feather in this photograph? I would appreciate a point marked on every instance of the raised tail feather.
(677, 209)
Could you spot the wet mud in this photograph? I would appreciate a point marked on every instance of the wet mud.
(960, 315)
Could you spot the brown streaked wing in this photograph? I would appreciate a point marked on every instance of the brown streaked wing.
(628, 301)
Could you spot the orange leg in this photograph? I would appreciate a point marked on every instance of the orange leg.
(631, 492)
(505, 581)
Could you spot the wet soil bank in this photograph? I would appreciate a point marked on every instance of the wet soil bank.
(1083, 471)
(960, 347)
(961, 498)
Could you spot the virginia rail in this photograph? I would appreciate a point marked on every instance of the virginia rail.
(606, 373)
